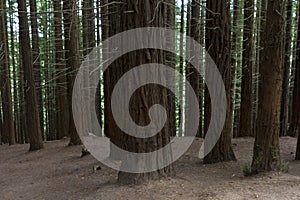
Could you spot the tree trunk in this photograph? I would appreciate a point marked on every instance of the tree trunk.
(36, 59)
(32, 112)
(234, 55)
(294, 129)
(72, 57)
(181, 63)
(266, 154)
(284, 114)
(218, 46)
(192, 75)
(246, 95)
(144, 12)
(171, 62)
(5, 79)
(15, 88)
(61, 80)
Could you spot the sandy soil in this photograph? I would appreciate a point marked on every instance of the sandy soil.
(58, 172)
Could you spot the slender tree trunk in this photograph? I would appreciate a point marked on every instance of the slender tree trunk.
(5, 79)
(22, 104)
(295, 120)
(234, 55)
(218, 43)
(171, 62)
(266, 154)
(32, 114)
(193, 76)
(36, 59)
(284, 115)
(72, 57)
(15, 88)
(61, 80)
(246, 95)
(181, 63)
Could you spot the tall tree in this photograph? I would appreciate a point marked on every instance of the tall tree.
(14, 65)
(72, 56)
(181, 62)
(218, 46)
(146, 13)
(266, 154)
(36, 59)
(294, 129)
(246, 95)
(192, 75)
(284, 114)
(171, 61)
(61, 81)
(234, 58)
(32, 112)
(5, 79)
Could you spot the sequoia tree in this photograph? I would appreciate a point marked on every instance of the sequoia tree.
(246, 96)
(36, 59)
(266, 154)
(61, 81)
(32, 112)
(218, 46)
(284, 114)
(124, 16)
(72, 56)
(8, 122)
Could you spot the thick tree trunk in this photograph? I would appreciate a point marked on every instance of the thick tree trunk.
(61, 80)
(144, 12)
(266, 154)
(218, 46)
(32, 112)
(36, 59)
(9, 135)
(284, 114)
(246, 95)
(72, 57)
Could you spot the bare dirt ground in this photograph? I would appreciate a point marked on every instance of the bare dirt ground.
(58, 172)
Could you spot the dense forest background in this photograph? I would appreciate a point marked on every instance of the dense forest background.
(255, 44)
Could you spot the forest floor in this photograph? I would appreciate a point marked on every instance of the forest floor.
(58, 172)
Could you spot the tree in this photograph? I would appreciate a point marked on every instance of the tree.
(266, 154)
(294, 129)
(32, 112)
(148, 13)
(72, 56)
(36, 59)
(246, 96)
(181, 62)
(284, 114)
(192, 75)
(218, 46)
(5, 79)
(61, 81)
(295, 118)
